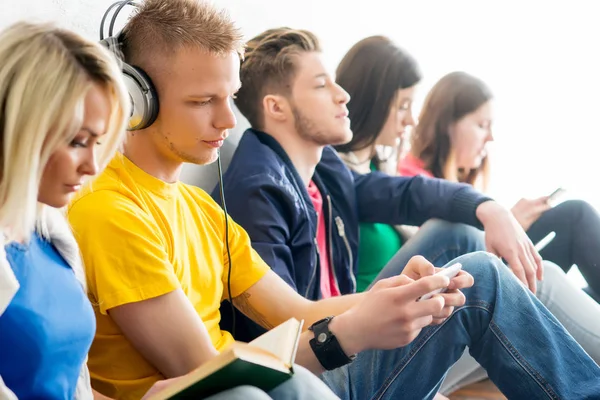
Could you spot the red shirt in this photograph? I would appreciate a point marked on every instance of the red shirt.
(328, 285)
(412, 166)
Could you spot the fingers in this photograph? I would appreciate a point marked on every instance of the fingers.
(537, 260)
(431, 307)
(425, 268)
(418, 267)
(391, 282)
(542, 208)
(517, 268)
(534, 263)
(542, 200)
(442, 316)
(530, 269)
(446, 312)
(455, 298)
(540, 270)
(421, 322)
(410, 297)
(423, 286)
(462, 280)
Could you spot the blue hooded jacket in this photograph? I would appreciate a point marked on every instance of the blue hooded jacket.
(266, 196)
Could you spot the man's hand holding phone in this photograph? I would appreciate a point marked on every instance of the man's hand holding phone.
(419, 268)
(404, 316)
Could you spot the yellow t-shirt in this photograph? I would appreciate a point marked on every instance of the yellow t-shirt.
(141, 238)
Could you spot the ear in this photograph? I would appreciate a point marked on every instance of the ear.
(276, 107)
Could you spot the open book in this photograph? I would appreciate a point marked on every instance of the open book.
(264, 363)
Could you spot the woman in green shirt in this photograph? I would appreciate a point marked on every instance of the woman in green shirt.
(381, 114)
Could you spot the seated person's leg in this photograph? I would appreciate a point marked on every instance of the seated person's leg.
(575, 310)
(304, 385)
(439, 242)
(526, 352)
(241, 393)
(465, 372)
(577, 241)
(567, 303)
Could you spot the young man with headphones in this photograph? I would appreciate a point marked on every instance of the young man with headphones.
(161, 255)
(154, 247)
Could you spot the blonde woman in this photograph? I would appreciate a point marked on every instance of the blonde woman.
(63, 109)
(59, 96)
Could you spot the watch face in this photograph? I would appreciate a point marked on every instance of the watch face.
(322, 337)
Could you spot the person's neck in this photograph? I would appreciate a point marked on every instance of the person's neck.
(304, 154)
(141, 151)
(362, 160)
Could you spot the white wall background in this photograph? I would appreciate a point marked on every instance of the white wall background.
(540, 58)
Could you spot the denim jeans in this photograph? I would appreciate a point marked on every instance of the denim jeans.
(440, 242)
(576, 311)
(303, 386)
(525, 350)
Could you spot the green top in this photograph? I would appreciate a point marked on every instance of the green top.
(377, 245)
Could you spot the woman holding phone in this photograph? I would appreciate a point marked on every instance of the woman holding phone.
(450, 142)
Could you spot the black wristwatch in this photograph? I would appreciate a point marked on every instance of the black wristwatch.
(326, 346)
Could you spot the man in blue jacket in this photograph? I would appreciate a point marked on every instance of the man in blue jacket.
(298, 201)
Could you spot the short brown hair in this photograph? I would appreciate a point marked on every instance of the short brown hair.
(269, 67)
(165, 26)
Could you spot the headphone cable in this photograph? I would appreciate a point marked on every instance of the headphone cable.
(222, 194)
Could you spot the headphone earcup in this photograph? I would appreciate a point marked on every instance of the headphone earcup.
(144, 100)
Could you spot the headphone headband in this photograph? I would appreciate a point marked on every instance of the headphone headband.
(144, 100)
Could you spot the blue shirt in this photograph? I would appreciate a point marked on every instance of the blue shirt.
(47, 330)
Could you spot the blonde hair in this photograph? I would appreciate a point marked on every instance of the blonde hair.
(165, 26)
(45, 74)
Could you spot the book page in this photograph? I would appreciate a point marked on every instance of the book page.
(281, 341)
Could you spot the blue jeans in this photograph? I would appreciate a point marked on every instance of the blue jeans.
(525, 350)
(303, 386)
(439, 242)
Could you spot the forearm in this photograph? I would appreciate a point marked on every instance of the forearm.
(329, 307)
(315, 311)
(412, 201)
(333, 306)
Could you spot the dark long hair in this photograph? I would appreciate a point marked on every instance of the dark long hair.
(454, 96)
(371, 72)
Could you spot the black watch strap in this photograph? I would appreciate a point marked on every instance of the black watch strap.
(326, 346)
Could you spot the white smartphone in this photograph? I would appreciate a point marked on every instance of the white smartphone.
(545, 241)
(556, 194)
(450, 272)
